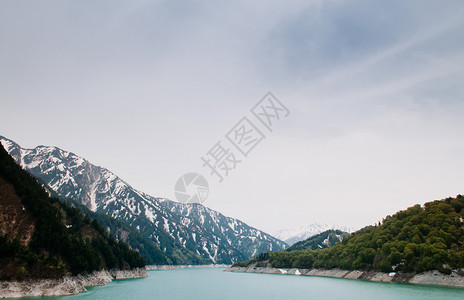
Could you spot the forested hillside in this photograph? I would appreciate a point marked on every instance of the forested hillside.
(42, 237)
(122, 232)
(185, 233)
(417, 239)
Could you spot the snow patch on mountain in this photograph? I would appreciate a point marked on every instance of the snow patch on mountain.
(293, 235)
(174, 227)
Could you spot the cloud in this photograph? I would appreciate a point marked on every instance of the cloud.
(145, 88)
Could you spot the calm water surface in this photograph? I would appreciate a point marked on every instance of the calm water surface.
(211, 283)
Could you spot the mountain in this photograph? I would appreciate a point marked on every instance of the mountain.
(293, 235)
(186, 233)
(119, 230)
(322, 240)
(125, 233)
(42, 237)
(415, 240)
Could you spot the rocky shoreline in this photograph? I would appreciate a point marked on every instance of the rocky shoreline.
(68, 285)
(455, 279)
(175, 267)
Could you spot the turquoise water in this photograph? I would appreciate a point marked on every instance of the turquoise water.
(210, 283)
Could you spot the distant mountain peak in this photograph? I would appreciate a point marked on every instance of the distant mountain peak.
(325, 239)
(293, 235)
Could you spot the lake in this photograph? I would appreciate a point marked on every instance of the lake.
(214, 283)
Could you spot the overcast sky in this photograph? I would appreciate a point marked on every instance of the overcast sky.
(375, 91)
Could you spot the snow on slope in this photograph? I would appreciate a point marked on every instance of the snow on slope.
(293, 235)
(181, 230)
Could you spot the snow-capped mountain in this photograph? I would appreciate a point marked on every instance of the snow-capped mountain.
(322, 240)
(293, 235)
(187, 233)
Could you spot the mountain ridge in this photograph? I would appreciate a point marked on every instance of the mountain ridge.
(297, 234)
(42, 237)
(187, 233)
(325, 239)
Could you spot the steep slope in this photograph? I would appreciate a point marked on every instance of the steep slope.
(322, 240)
(125, 233)
(187, 233)
(293, 235)
(41, 237)
(227, 233)
(418, 239)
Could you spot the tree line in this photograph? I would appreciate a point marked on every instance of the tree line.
(417, 239)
